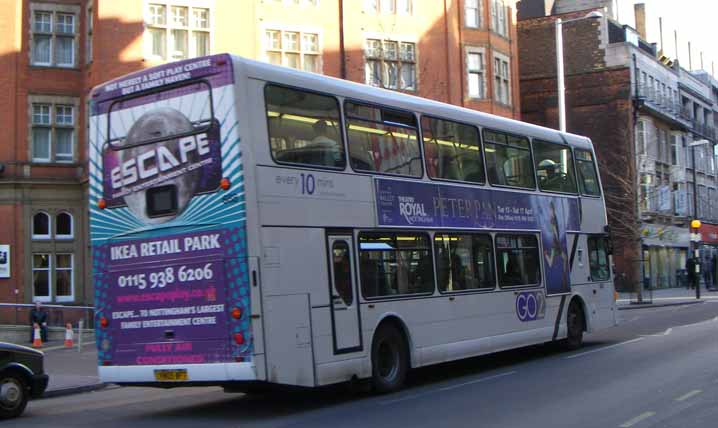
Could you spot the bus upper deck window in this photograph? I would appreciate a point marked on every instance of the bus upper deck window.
(452, 150)
(304, 127)
(554, 167)
(587, 177)
(382, 140)
(508, 160)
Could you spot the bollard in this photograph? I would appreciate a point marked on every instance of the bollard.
(68, 335)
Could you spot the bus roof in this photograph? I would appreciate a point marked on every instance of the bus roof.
(321, 83)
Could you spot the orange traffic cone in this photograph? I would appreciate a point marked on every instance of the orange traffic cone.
(68, 336)
(36, 338)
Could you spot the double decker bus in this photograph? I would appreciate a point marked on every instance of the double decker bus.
(256, 224)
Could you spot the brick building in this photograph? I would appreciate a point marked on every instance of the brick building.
(53, 52)
(644, 115)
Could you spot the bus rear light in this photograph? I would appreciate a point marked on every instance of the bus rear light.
(106, 362)
(221, 62)
(239, 359)
(225, 184)
(102, 204)
(239, 338)
(236, 313)
(104, 322)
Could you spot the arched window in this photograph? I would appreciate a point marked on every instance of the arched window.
(41, 226)
(63, 226)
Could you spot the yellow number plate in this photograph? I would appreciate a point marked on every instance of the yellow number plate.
(171, 375)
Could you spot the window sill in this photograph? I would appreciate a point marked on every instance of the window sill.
(493, 32)
(54, 66)
(55, 164)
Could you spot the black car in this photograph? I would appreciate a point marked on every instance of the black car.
(22, 376)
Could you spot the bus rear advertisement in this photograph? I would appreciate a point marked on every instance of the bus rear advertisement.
(169, 254)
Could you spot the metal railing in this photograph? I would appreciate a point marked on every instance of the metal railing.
(57, 315)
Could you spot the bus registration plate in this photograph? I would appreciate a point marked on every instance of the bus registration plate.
(171, 375)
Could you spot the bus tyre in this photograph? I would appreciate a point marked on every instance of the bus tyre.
(13, 395)
(574, 325)
(389, 359)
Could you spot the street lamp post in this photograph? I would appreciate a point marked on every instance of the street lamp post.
(695, 223)
(559, 66)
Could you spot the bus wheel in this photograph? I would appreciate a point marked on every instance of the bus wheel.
(389, 359)
(575, 323)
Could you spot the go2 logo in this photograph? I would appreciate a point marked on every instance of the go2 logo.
(530, 305)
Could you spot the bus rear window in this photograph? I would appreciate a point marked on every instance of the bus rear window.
(304, 127)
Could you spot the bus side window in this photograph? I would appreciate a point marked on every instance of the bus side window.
(452, 150)
(508, 160)
(598, 258)
(554, 167)
(395, 264)
(382, 140)
(518, 260)
(304, 127)
(464, 261)
(587, 177)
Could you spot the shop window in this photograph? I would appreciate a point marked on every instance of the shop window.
(63, 226)
(41, 226)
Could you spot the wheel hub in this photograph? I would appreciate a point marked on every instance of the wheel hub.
(10, 394)
(388, 360)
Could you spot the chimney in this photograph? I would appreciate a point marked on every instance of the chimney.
(640, 11)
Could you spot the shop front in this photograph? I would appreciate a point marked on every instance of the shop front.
(665, 250)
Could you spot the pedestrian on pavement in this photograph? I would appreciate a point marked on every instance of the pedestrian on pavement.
(38, 316)
(708, 273)
(691, 270)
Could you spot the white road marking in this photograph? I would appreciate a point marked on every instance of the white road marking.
(404, 398)
(665, 333)
(484, 379)
(689, 395)
(446, 388)
(638, 339)
(637, 419)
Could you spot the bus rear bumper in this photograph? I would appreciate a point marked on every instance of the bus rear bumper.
(196, 373)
